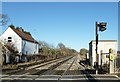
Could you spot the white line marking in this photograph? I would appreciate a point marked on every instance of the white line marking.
(117, 77)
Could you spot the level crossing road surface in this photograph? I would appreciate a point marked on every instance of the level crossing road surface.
(55, 78)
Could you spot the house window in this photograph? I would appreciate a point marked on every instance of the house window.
(9, 39)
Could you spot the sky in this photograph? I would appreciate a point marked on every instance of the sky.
(60, 0)
(70, 23)
(118, 27)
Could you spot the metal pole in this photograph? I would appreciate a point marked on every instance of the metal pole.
(101, 57)
(96, 48)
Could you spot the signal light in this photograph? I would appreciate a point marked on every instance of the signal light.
(102, 26)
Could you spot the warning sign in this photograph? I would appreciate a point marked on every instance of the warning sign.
(111, 57)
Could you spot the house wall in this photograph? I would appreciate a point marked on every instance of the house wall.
(16, 40)
(29, 48)
(105, 46)
(90, 53)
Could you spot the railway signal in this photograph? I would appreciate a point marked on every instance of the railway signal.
(102, 28)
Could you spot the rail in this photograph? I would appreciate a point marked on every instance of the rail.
(59, 78)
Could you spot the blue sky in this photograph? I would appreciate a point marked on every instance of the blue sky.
(70, 23)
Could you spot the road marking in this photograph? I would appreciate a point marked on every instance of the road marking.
(7, 78)
(26, 74)
(55, 77)
(117, 77)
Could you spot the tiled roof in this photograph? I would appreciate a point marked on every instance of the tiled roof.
(24, 36)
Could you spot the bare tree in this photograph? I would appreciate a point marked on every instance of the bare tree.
(65, 50)
(44, 44)
(4, 19)
(83, 52)
(61, 50)
(46, 48)
(61, 46)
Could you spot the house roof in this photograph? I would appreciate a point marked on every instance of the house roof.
(24, 35)
(103, 41)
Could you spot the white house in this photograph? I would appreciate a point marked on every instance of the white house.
(103, 45)
(23, 42)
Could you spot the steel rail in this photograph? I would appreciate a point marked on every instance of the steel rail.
(59, 78)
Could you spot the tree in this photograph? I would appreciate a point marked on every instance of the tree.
(11, 47)
(61, 46)
(44, 44)
(74, 51)
(83, 52)
(61, 50)
(65, 50)
(46, 49)
(4, 19)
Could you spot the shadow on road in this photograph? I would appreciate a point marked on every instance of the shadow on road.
(89, 76)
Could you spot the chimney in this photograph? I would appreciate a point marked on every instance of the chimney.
(20, 29)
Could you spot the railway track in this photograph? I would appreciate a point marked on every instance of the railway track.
(49, 68)
(65, 72)
(69, 67)
(64, 66)
(33, 70)
(50, 74)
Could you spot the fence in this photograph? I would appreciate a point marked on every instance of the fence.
(118, 62)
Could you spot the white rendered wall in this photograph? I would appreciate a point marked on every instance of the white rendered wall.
(105, 46)
(29, 48)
